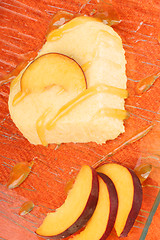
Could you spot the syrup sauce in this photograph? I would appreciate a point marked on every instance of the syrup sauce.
(146, 83)
(83, 96)
(40, 126)
(108, 16)
(26, 208)
(15, 80)
(143, 171)
(9, 77)
(15, 72)
(59, 19)
(19, 97)
(19, 173)
(114, 113)
(73, 103)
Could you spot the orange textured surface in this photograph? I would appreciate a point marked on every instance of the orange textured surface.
(23, 25)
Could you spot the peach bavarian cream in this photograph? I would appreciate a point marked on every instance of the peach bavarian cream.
(74, 90)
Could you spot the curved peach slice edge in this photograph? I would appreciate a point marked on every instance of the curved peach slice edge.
(136, 204)
(102, 221)
(113, 198)
(77, 209)
(129, 193)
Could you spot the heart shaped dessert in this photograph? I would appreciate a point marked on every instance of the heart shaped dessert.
(74, 90)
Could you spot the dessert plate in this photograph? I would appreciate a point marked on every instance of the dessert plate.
(23, 27)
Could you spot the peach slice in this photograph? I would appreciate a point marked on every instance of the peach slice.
(102, 221)
(53, 69)
(129, 192)
(77, 209)
(49, 70)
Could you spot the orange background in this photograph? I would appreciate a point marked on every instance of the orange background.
(23, 25)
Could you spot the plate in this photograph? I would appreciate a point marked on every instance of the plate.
(23, 27)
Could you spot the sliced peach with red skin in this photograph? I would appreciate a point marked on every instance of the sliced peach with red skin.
(102, 221)
(113, 203)
(77, 208)
(49, 70)
(53, 69)
(129, 191)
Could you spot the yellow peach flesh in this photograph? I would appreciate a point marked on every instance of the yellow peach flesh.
(123, 182)
(74, 205)
(96, 226)
(53, 69)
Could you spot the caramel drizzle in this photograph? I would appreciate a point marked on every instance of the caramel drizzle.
(83, 96)
(146, 83)
(26, 208)
(19, 97)
(119, 114)
(65, 109)
(40, 126)
(19, 173)
(109, 16)
(59, 19)
(143, 171)
(15, 81)
(15, 72)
